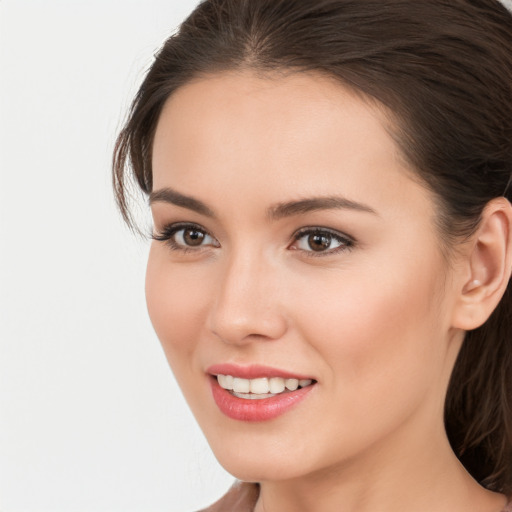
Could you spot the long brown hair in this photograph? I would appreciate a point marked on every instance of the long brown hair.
(443, 68)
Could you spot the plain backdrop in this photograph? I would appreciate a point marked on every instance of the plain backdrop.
(91, 418)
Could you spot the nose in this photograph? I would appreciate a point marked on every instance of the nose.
(248, 304)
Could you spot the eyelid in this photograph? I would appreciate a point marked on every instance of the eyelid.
(347, 242)
(167, 232)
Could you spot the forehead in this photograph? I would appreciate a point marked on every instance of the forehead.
(300, 134)
(235, 109)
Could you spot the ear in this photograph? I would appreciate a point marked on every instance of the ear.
(487, 267)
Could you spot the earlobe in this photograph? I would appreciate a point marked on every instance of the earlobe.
(488, 265)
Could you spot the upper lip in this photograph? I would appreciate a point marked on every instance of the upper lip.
(253, 371)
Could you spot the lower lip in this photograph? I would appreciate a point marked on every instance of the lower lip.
(256, 410)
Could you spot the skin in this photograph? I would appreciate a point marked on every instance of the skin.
(377, 324)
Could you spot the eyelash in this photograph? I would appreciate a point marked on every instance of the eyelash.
(167, 234)
(346, 243)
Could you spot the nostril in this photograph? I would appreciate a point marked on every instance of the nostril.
(248, 332)
(240, 326)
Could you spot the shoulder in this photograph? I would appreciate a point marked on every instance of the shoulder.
(241, 497)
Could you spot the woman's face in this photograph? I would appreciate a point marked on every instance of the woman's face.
(294, 243)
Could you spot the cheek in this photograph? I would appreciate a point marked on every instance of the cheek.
(176, 303)
(376, 330)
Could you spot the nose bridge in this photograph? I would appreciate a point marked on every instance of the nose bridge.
(247, 306)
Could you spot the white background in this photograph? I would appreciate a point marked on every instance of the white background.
(91, 418)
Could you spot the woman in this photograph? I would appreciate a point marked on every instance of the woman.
(329, 182)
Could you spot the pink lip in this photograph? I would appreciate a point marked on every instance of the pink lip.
(254, 371)
(264, 409)
(242, 409)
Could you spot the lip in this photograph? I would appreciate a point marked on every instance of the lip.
(259, 410)
(256, 410)
(254, 371)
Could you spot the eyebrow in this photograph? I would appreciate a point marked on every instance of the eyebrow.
(168, 195)
(315, 204)
(276, 212)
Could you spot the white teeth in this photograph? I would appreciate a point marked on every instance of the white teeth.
(241, 385)
(253, 396)
(225, 381)
(276, 385)
(291, 384)
(262, 387)
(259, 386)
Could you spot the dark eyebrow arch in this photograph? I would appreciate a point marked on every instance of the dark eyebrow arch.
(279, 211)
(314, 204)
(168, 195)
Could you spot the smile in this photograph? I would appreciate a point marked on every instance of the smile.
(261, 388)
(253, 397)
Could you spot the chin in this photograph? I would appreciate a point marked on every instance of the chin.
(266, 455)
(259, 469)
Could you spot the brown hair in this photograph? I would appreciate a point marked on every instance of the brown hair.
(444, 70)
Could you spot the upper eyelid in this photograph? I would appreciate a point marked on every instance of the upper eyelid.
(166, 232)
(177, 226)
(169, 230)
(347, 242)
(166, 235)
(318, 229)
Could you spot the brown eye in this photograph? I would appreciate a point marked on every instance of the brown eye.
(185, 237)
(319, 242)
(193, 237)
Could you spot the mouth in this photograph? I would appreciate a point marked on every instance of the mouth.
(256, 393)
(262, 387)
